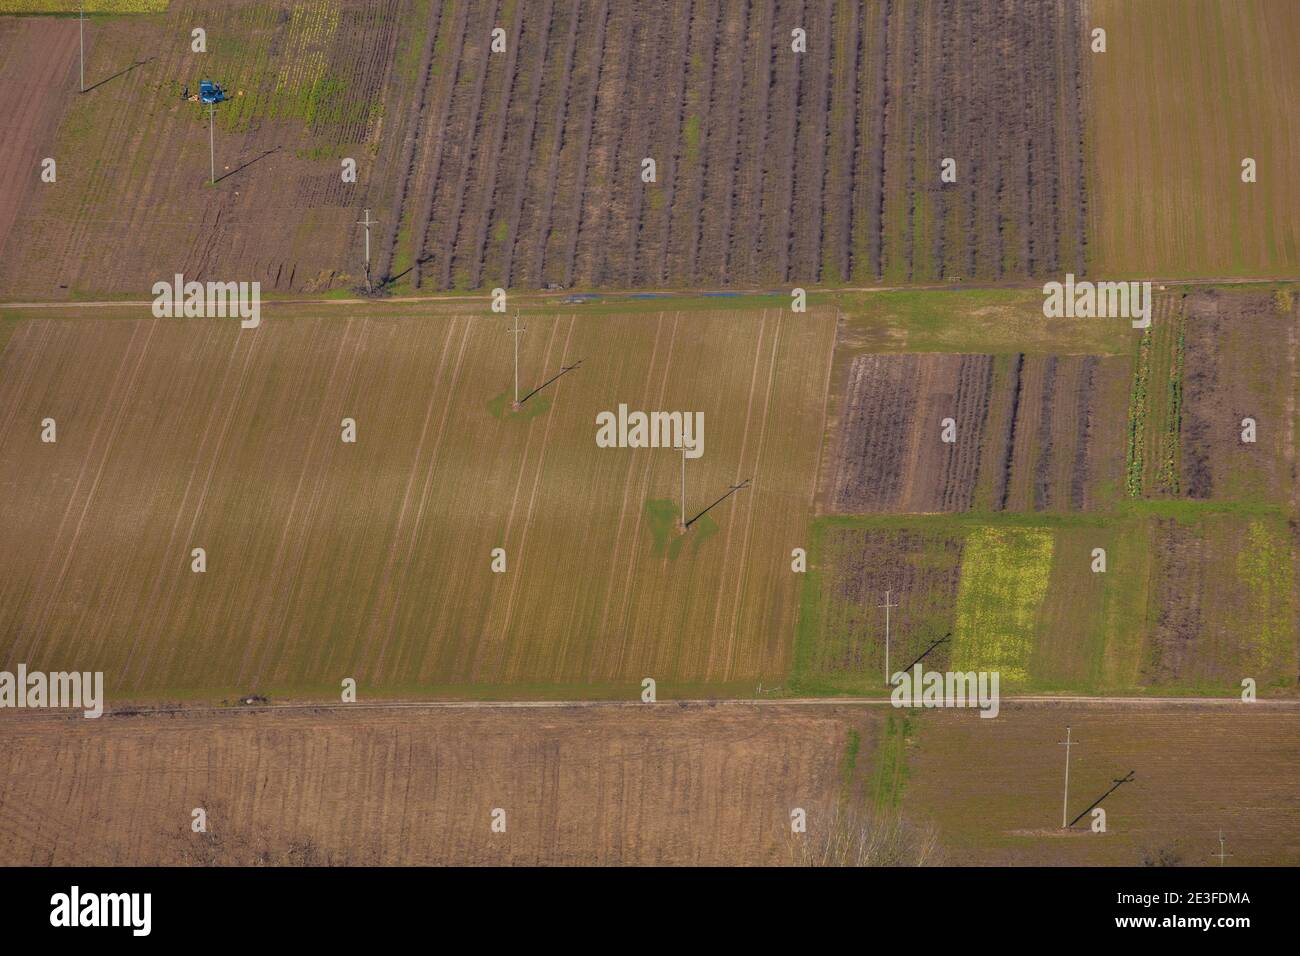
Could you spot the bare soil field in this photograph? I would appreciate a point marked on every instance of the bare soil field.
(671, 784)
(374, 560)
(37, 60)
(994, 787)
(638, 785)
(1027, 433)
(1241, 363)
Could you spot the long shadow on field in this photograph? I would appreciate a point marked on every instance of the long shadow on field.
(243, 166)
(389, 280)
(124, 72)
(567, 368)
(734, 488)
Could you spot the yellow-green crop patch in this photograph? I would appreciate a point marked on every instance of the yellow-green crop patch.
(1004, 575)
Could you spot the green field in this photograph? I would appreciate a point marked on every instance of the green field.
(1192, 600)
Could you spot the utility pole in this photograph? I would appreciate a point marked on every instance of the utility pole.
(1221, 854)
(212, 149)
(887, 606)
(1066, 743)
(517, 330)
(368, 222)
(683, 487)
(81, 21)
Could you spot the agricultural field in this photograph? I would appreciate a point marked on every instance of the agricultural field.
(1210, 360)
(309, 84)
(1029, 433)
(698, 784)
(632, 785)
(1189, 603)
(993, 788)
(33, 93)
(1186, 90)
(770, 166)
(396, 479)
(523, 168)
(372, 560)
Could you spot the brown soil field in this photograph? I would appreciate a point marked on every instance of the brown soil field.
(522, 168)
(669, 784)
(1241, 361)
(634, 785)
(994, 787)
(1033, 433)
(37, 59)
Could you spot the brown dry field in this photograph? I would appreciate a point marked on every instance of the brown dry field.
(670, 784)
(994, 787)
(1034, 433)
(37, 60)
(633, 785)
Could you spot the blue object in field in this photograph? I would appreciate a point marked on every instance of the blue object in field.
(210, 92)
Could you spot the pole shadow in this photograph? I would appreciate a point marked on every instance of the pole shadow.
(124, 72)
(243, 166)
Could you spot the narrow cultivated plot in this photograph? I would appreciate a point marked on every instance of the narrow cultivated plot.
(1004, 576)
(374, 559)
(1212, 407)
(946, 432)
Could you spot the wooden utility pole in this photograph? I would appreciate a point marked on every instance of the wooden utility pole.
(81, 22)
(517, 330)
(683, 487)
(368, 222)
(887, 606)
(1065, 803)
(1222, 855)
